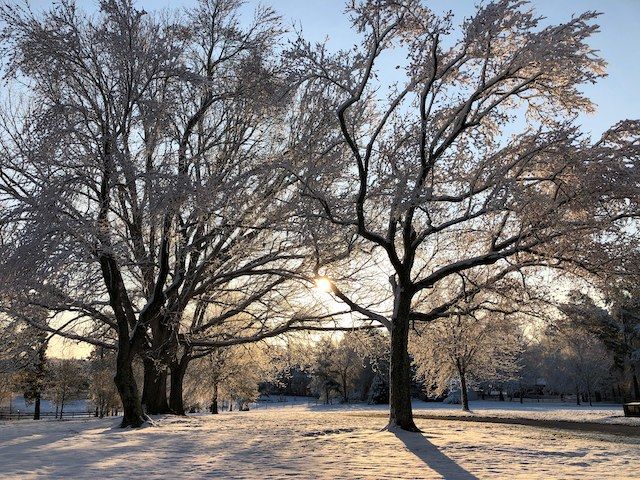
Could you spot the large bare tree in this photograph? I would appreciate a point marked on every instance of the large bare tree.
(466, 166)
(138, 170)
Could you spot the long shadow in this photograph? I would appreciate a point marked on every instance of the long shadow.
(426, 451)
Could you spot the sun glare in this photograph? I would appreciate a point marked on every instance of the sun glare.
(324, 284)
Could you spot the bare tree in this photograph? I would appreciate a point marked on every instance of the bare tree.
(139, 172)
(466, 349)
(67, 381)
(576, 361)
(615, 324)
(468, 165)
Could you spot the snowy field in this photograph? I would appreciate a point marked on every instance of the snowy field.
(599, 413)
(308, 442)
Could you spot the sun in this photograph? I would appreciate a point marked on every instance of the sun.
(324, 284)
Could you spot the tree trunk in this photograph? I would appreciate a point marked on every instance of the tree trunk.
(636, 387)
(400, 413)
(133, 415)
(214, 400)
(345, 397)
(154, 392)
(36, 408)
(463, 391)
(577, 396)
(178, 370)
(124, 379)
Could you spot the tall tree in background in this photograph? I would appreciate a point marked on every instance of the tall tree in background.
(102, 391)
(464, 167)
(576, 361)
(466, 348)
(68, 381)
(616, 324)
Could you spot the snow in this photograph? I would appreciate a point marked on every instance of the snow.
(599, 413)
(307, 442)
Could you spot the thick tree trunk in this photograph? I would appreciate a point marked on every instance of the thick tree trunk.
(124, 379)
(178, 370)
(400, 413)
(133, 415)
(36, 408)
(154, 392)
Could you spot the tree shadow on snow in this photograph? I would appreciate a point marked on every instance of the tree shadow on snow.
(433, 458)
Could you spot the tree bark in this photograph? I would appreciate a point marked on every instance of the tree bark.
(463, 390)
(133, 415)
(400, 412)
(36, 408)
(345, 397)
(178, 370)
(154, 392)
(214, 400)
(636, 387)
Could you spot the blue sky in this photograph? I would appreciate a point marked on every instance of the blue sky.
(616, 96)
(619, 40)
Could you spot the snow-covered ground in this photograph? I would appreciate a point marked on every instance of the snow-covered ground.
(599, 413)
(307, 442)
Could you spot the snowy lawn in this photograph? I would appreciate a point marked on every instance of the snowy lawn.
(543, 411)
(302, 442)
(599, 413)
